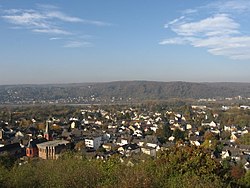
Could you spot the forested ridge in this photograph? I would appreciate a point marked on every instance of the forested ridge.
(137, 90)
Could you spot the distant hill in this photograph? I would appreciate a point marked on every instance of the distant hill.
(121, 90)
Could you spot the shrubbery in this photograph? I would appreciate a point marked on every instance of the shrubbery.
(178, 167)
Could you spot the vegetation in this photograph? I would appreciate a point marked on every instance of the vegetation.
(183, 166)
(118, 92)
(245, 139)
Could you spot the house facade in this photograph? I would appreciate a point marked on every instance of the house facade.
(93, 142)
(52, 149)
(31, 149)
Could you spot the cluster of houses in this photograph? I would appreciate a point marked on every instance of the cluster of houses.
(100, 134)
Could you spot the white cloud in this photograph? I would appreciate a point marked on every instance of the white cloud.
(76, 44)
(49, 19)
(32, 19)
(218, 31)
(46, 16)
(55, 38)
(215, 25)
(233, 47)
(230, 6)
(97, 23)
(174, 41)
(52, 31)
(174, 21)
(61, 16)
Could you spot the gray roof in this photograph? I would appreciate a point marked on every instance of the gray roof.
(52, 143)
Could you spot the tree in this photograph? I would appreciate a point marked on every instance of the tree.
(237, 172)
(80, 146)
(167, 131)
(7, 160)
(211, 141)
(25, 122)
(188, 113)
(179, 134)
(3, 176)
(189, 166)
(246, 179)
(245, 139)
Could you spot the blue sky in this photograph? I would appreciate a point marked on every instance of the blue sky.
(97, 41)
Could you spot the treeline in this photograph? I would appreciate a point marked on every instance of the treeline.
(182, 166)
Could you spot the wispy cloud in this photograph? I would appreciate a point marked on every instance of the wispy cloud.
(48, 19)
(52, 31)
(38, 21)
(55, 38)
(95, 22)
(174, 21)
(77, 44)
(27, 19)
(217, 30)
(63, 17)
(229, 6)
(177, 40)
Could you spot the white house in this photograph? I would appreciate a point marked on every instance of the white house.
(188, 126)
(225, 154)
(73, 125)
(213, 124)
(93, 142)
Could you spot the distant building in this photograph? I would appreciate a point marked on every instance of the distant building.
(129, 149)
(244, 107)
(199, 107)
(32, 149)
(93, 142)
(52, 149)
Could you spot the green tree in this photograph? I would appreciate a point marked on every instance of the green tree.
(179, 134)
(7, 161)
(245, 139)
(246, 180)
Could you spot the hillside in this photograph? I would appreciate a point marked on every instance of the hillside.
(123, 91)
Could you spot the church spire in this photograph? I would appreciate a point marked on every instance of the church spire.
(47, 135)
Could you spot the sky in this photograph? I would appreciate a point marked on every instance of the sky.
(100, 41)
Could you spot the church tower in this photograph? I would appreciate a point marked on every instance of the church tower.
(47, 133)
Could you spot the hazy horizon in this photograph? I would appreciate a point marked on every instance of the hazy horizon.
(104, 82)
(46, 42)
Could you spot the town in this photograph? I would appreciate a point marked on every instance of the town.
(129, 133)
(100, 132)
